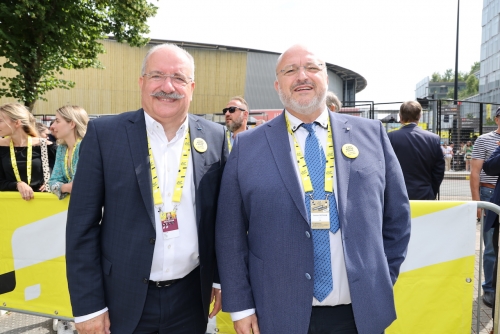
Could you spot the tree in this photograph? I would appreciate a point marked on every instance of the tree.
(436, 77)
(475, 67)
(448, 75)
(39, 38)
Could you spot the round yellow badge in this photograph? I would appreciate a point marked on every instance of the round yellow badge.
(200, 145)
(350, 151)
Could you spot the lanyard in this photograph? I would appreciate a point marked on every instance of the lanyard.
(181, 175)
(69, 163)
(229, 145)
(304, 172)
(28, 160)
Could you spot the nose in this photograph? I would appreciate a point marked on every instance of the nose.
(167, 85)
(302, 73)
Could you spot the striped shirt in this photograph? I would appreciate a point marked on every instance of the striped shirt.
(483, 147)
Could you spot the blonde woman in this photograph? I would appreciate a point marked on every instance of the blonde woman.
(21, 167)
(69, 128)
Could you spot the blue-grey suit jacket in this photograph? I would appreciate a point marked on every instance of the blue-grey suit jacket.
(109, 252)
(263, 250)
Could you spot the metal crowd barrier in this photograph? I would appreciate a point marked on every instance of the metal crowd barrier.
(496, 209)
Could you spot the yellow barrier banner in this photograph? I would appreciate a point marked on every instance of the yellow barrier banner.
(435, 287)
(32, 255)
(433, 293)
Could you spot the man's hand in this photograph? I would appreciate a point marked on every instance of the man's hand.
(216, 294)
(97, 325)
(247, 325)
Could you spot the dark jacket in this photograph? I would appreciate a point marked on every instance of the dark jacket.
(421, 159)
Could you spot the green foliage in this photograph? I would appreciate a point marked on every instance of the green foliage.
(471, 88)
(475, 67)
(472, 84)
(39, 38)
(448, 75)
(436, 77)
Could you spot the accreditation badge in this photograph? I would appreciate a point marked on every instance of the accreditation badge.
(169, 224)
(320, 214)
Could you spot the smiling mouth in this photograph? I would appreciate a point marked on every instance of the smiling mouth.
(302, 88)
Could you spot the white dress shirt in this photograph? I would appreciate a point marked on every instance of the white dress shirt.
(340, 293)
(172, 258)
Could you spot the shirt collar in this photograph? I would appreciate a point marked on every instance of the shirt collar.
(152, 126)
(323, 120)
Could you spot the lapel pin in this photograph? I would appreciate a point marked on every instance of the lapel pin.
(200, 145)
(350, 151)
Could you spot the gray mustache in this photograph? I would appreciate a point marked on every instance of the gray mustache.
(164, 95)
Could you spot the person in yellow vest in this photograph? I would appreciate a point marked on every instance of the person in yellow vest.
(236, 114)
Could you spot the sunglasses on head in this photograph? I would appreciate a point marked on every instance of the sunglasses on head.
(231, 109)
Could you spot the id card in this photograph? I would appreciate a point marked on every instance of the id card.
(169, 225)
(320, 215)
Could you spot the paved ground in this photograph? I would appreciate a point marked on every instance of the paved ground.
(454, 187)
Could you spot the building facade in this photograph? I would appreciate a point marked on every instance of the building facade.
(489, 75)
(221, 73)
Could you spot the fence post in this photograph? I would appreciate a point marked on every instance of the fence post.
(495, 208)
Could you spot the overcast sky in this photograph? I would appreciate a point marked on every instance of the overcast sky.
(392, 43)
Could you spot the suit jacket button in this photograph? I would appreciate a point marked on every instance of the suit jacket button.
(308, 276)
(152, 241)
(308, 234)
(145, 280)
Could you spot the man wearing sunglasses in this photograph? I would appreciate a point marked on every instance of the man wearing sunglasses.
(236, 114)
(314, 219)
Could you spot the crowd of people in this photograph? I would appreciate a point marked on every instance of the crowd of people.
(30, 161)
(304, 221)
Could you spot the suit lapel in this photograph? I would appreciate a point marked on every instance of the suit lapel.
(277, 137)
(196, 131)
(341, 131)
(137, 137)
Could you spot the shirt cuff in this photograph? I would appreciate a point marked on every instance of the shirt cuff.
(235, 316)
(90, 316)
(216, 285)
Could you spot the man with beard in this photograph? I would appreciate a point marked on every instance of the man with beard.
(236, 113)
(313, 220)
(140, 231)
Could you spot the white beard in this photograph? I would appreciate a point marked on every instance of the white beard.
(315, 104)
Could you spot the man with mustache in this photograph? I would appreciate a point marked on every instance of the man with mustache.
(236, 114)
(140, 230)
(313, 220)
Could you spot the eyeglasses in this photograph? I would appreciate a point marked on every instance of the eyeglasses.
(231, 109)
(294, 69)
(178, 80)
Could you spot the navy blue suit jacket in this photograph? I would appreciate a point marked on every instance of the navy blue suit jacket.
(421, 159)
(262, 243)
(109, 251)
(492, 167)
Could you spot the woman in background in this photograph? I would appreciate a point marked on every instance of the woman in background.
(21, 167)
(69, 128)
(468, 155)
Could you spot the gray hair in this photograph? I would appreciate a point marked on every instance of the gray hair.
(169, 46)
(332, 99)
